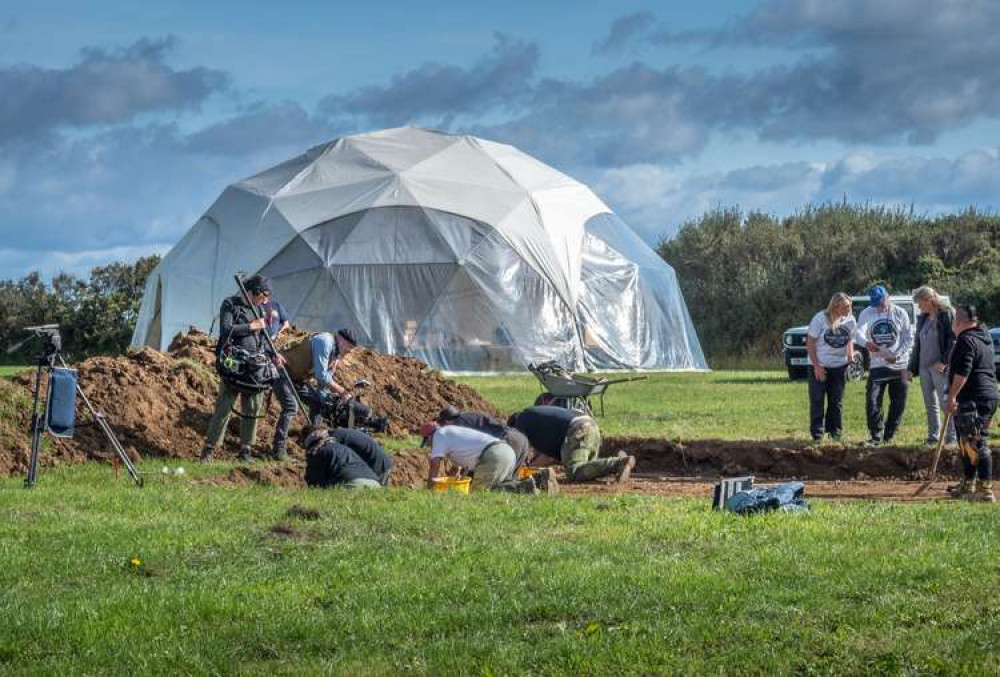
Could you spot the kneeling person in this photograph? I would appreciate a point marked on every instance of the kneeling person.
(572, 438)
(483, 422)
(330, 463)
(492, 461)
(367, 449)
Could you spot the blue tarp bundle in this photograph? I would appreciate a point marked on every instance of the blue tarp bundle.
(62, 402)
(785, 497)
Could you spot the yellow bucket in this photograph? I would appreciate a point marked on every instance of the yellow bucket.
(459, 484)
(524, 473)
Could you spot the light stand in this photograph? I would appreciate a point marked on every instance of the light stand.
(50, 357)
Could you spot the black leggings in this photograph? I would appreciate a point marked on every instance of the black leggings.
(831, 390)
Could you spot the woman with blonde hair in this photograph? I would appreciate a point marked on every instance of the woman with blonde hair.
(830, 345)
(929, 359)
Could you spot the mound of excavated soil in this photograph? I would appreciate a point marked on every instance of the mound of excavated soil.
(159, 404)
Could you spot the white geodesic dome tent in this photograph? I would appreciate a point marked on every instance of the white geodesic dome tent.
(465, 253)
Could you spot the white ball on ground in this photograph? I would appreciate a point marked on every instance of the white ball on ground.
(166, 470)
(179, 470)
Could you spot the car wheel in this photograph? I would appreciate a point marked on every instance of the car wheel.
(856, 369)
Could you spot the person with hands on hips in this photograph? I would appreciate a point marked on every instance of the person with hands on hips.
(886, 332)
(830, 344)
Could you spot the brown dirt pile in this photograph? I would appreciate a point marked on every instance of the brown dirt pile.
(159, 404)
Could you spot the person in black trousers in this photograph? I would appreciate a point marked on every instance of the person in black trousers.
(972, 402)
(830, 345)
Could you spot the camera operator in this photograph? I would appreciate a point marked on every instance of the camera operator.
(483, 422)
(238, 327)
(972, 402)
(318, 357)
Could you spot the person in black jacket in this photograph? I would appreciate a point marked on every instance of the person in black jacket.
(332, 464)
(972, 402)
(238, 327)
(370, 451)
(929, 359)
(483, 422)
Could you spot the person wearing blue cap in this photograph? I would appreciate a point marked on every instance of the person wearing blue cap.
(886, 332)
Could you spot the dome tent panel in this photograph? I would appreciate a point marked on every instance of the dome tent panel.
(335, 165)
(305, 210)
(388, 299)
(325, 239)
(387, 235)
(525, 304)
(465, 163)
(399, 151)
(320, 306)
(515, 228)
(181, 293)
(463, 331)
(649, 326)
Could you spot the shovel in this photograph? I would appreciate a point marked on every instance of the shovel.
(937, 456)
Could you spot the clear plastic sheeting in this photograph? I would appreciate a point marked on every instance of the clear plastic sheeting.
(465, 253)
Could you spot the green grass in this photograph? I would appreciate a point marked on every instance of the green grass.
(425, 583)
(420, 582)
(729, 405)
(6, 370)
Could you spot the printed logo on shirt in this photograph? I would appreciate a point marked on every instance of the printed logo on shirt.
(837, 338)
(884, 333)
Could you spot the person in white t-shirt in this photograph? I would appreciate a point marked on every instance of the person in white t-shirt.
(492, 461)
(830, 343)
(887, 333)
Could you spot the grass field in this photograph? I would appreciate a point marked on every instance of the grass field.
(726, 405)
(233, 581)
(408, 581)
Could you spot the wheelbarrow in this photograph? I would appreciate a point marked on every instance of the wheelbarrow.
(572, 391)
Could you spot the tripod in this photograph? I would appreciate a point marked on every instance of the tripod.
(47, 361)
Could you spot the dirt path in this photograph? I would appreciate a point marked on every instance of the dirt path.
(829, 472)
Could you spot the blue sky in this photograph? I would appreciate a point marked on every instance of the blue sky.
(120, 123)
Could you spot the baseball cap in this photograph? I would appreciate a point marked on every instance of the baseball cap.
(449, 413)
(257, 284)
(348, 336)
(427, 431)
(877, 294)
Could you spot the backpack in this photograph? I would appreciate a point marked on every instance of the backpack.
(246, 371)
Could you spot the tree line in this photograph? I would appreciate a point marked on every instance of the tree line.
(746, 277)
(96, 315)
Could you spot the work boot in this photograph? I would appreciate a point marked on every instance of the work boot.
(625, 466)
(545, 479)
(872, 443)
(207, 454)
(279, 454)
(245, 455)
(526, 486)
(961, 489)
(982, 494)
